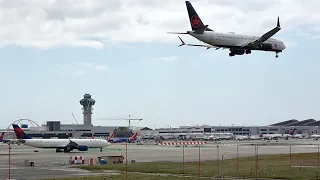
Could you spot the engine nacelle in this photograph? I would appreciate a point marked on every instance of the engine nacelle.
(266, 46)
(238, 51)
(83, 148)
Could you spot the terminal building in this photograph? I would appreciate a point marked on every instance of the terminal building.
(302, 127)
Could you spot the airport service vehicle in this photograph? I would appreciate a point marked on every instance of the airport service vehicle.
(66, 145)
(238, 44)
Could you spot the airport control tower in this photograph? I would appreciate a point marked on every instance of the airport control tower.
(87, 102)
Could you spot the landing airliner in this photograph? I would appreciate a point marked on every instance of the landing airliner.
(66, 145)
(237, 44)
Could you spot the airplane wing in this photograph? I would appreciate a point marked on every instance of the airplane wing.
(263, 38)
(198, 45)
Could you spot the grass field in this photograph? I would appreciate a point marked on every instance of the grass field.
(132, 176)
(269, 166)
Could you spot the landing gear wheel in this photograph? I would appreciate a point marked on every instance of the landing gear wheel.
(58, 150)
(277, 55)
(101, 150)
(231, 54)
(66, 150)
(248, 51)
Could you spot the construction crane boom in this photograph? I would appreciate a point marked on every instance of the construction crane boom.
(74, 118)
(129, 119)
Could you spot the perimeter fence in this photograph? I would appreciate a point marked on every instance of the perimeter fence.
(197, 159)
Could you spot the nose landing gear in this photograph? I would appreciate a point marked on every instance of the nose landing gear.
(277, 55)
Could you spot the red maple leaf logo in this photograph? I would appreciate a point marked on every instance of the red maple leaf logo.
(195, 21)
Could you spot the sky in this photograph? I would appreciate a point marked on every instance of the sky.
(119, 51)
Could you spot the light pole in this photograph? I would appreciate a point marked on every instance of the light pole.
(222, 163)
(9, 165)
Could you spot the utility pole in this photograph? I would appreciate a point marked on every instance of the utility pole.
(222, 163)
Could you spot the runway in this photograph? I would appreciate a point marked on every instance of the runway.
(49, 164)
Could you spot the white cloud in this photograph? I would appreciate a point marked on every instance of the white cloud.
(101, 68)
(168, 58)
(79, 69)
(83, 23)
(85, 64)
(78, 72)
(73, 72)
(290, 43)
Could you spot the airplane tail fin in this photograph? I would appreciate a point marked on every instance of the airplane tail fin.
(111, 135)
(134, 136)
(19, 132)
(195, 21)
(1, 136)
(291, 132)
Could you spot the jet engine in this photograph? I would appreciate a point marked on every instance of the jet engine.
(266, 46)
(238, 51)
(83, 148)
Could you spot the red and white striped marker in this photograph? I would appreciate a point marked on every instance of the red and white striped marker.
(90, 161)
(76, 160)
(181, 143)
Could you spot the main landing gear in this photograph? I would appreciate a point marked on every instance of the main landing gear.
(234, 52)
(100, 149)
(231, 54)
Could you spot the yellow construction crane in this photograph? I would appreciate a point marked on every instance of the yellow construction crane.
(119, 118)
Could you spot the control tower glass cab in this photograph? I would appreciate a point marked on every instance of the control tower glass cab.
(87, 102)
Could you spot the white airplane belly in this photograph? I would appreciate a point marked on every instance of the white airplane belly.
(30, 143)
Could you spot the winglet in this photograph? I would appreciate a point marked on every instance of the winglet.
(278, 23)
(182, 43)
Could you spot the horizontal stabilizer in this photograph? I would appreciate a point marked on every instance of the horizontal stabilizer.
(178, 32)
(198, 45)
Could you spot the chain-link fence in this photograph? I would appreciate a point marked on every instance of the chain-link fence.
(235, 160)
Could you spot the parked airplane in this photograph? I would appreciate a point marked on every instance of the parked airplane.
(6, 141)
(237, 44)
(218, 136)
(277, 136)
(116, 140)
(314, 136)
(66, 145)
(242, 138)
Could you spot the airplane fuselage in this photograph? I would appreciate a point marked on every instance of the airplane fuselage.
(234, 41)
(61, 143)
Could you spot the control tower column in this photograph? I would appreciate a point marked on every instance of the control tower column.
(87, 102)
